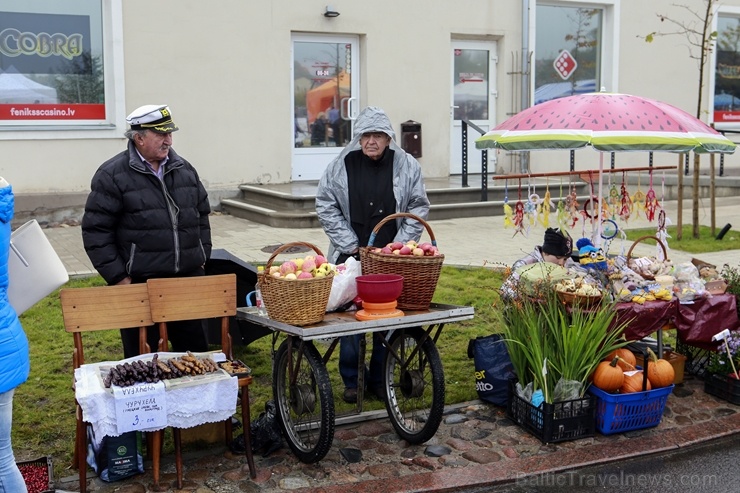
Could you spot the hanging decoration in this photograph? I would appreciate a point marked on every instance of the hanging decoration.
(571, 205)
(519, 213)
(651, 201)
(546, 206)
(613, 200)
(662, 235)
(638, 199)
(530, 207)
(625, 209)
(562, 212)
(508, 211)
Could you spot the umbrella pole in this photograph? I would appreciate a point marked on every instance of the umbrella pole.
(597, 215)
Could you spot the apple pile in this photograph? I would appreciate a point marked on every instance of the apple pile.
(308, 267)
(411, 247)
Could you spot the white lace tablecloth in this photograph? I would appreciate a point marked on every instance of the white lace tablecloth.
(190, 401)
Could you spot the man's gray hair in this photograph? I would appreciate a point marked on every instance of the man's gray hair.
(129, 134)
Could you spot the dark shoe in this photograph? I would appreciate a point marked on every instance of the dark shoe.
(350, 395)
(377, 391)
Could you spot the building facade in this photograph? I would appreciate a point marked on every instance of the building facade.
(266, 91)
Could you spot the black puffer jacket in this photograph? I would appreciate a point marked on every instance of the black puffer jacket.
(138, 226)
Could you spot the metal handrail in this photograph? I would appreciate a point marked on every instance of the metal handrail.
(484, 159)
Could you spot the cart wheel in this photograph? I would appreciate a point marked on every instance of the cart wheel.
(305, 409)
(414, 386)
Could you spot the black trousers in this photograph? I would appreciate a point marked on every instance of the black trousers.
(185, 335)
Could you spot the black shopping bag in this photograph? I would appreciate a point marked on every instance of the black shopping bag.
(493, 368)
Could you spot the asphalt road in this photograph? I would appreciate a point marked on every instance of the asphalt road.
(710, 467)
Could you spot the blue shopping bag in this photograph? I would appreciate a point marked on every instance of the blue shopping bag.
(493, 368)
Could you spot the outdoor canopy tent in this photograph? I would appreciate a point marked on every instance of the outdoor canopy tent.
(17, 88)
(320, 98)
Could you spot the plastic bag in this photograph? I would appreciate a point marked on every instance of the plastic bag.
(344, 287)
(566, 390)
(266, 435)
(493, 368)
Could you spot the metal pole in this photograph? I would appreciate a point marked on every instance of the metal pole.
(484, 175)
(464, 127)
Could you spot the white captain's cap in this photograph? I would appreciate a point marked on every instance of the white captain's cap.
(154, 117)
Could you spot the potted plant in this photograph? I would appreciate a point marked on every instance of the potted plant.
(554, 348)
(723, 370)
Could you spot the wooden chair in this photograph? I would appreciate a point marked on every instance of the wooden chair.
(203, 297)
(103, 308)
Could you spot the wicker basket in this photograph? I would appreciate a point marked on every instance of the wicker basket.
(295, 302)
(630, 260)
(579, 300)
(420, 274)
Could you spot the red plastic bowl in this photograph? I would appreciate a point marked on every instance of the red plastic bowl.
(379, 288)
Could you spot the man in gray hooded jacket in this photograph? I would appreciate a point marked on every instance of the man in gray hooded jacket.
(371, 179)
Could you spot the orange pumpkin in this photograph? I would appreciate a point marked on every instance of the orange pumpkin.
(627, 361)
(633, 383)
(608, 376)
(660, 372)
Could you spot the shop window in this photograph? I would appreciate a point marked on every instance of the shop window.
(727, 71)
(568, 50)
(55, 64)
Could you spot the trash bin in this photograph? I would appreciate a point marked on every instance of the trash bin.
(242, 332)
(411, 137)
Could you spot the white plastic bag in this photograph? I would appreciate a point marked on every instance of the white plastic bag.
(344, 286)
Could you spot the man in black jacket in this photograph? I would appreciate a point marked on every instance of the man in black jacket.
(146, 217)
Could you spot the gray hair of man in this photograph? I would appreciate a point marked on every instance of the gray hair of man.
(130, 134)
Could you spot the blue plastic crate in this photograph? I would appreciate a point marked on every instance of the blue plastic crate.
(616, 413)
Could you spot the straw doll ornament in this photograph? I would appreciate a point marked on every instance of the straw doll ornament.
(508, 211)
(531, 207)
(545, 207)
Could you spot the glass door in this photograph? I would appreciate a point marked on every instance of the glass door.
(325, 88)
(473, 98)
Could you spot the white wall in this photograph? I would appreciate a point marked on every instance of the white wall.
(224, 68)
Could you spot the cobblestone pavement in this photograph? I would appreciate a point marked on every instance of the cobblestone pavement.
(476, 445)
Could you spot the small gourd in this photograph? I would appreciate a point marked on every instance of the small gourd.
(627, 358)
(608, 376)
(660, 372)
(633, 383)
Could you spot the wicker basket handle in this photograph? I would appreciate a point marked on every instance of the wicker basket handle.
(284, 247)
(642, 238)
(371, 240)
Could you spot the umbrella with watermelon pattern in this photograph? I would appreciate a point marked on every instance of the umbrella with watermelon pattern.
(607, 122)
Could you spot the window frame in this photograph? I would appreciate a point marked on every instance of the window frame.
(609, 52)
(113, 74)
(726, 11)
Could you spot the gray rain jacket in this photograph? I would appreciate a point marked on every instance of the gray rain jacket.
(332, 196)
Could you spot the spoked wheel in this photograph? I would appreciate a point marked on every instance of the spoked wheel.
(414, 385)
(305, 408)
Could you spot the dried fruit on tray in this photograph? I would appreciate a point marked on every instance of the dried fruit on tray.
(236, 367)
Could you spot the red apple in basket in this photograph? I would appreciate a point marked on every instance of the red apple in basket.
(426, 246)
(405, 250)
(396, 245)
(386, 250)
(320, 259)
